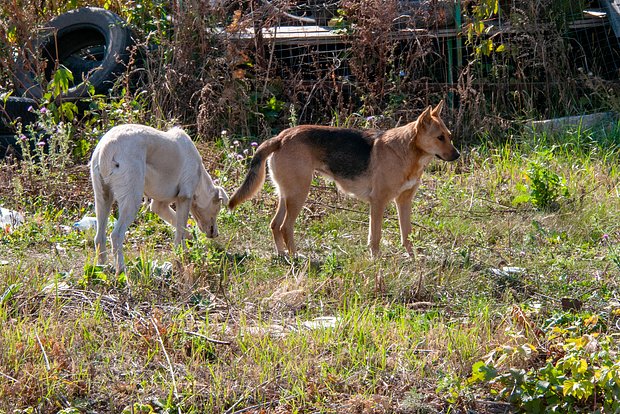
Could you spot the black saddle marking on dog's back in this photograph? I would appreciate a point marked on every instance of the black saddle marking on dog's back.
(345, 152)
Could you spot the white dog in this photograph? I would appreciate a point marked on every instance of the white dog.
(132, 160)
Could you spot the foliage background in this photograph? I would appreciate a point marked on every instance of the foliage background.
(512, 60)
(511, 302)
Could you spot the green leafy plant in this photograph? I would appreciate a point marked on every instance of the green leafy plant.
(271, 109)
(478, 29)
(138, 408)
(614, 254)
(545, 186)
(339, 22)
(46, 146)
(93, 274)
(580, 374)
(63, 110)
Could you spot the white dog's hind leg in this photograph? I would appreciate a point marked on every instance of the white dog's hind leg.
(127, 210)
(126, 182)
(103, 205)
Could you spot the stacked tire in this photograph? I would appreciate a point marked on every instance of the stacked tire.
(92, 42)
(14, 110)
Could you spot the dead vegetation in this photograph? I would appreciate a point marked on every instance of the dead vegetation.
(227, 327)
(215, 66)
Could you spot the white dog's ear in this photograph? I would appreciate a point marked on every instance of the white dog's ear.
(223, 197)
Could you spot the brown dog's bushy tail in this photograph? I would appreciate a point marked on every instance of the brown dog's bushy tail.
(256, 174)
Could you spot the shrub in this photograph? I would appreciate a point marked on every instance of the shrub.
(581, 372)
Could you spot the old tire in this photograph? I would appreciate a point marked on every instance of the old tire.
(93, 42)
(8, 146)
(15, 109)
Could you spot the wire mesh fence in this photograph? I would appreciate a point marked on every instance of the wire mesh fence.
(377, 63)
(256, 66)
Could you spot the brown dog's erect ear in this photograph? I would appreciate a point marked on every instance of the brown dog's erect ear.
(425, 116)
(438, 108)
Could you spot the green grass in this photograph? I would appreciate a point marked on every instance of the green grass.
(223, 327)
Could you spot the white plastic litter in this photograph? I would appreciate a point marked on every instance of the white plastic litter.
(322, 322)
(507, 271)
(90, 222)
(10, 219)
(86, 223)
(163, 270)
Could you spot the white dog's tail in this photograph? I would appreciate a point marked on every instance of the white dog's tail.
(256, 174)
(120, 171)
(106, 162)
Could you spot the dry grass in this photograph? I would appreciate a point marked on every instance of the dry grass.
(229, 328)
(225, 326)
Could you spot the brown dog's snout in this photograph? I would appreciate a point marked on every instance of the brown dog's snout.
(455, 155)
(213, 232)
(452, 156)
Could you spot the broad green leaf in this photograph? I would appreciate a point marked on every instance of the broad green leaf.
(520, 199)
(12, 35)
(582, 366)
(479, 27)
(482, 372)
(60, 83)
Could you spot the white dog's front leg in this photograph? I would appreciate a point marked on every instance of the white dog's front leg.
(163, 210)
(182, 214)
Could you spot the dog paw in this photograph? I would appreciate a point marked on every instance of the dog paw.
(283, 258)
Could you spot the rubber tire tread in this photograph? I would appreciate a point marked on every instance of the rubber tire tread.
(8, 144)
(16, 108)
(76, 29)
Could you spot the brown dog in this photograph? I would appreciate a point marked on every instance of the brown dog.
(375, 166)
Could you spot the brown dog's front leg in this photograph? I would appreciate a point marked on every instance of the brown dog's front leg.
(403, 206)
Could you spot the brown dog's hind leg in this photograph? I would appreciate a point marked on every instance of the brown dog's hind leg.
(377, 207)
(293, 193)
(291, 171)
(276, 226)
(293, 208)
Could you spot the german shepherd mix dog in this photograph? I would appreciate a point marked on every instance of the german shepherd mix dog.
(375, 166)
(132, 160)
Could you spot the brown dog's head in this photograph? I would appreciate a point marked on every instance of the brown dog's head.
(432, 136)
(205, 206)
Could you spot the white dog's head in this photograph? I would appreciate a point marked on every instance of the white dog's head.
(205, 206)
